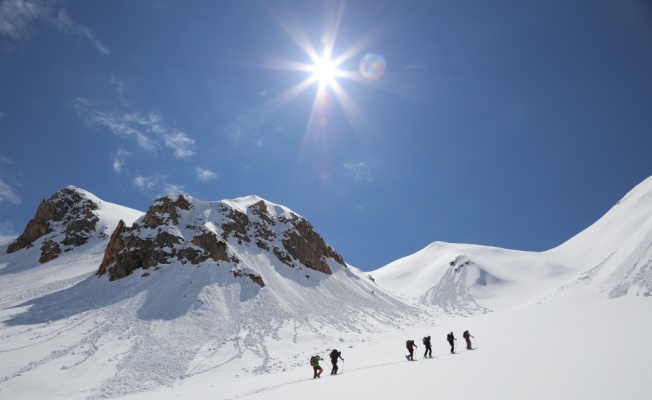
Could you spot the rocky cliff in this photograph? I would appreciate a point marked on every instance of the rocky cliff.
(65, 220)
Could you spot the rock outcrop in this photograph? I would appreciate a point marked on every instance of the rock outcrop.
(188, 231)
(65, 220)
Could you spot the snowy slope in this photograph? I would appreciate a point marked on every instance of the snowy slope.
(564, 352)
(627, 219)
(613, 255)
(616, 251)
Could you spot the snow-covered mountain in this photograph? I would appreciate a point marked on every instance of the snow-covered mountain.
(60, 246)
(70, 218)
(613, 256)
(185, 279)
(228, 299)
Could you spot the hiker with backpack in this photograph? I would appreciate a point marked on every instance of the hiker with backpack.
(410, 346)
(314, 363)
(451, 340)
(334, 356)
(466, 335)
(426, 342)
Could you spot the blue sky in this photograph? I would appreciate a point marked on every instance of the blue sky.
(506, 123)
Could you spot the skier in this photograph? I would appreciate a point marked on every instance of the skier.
(466, 335)
(410, 346)
(451, 340)
(314, 362)
(426, 342)
(334, 356)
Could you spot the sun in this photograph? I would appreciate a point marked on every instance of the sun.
(328, 70)
(324, 71)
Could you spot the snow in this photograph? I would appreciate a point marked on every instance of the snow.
(243, 203)
(568, 323)
(110, 214)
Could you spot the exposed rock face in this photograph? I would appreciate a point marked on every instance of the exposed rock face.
(156, 239)
(186, 230)
(63, 221)
(307, 247)
(116, 244)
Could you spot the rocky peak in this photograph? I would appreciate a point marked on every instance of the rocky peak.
(165, 209)
(65, 220)
(188, 231)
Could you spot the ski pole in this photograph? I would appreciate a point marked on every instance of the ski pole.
(342, 366)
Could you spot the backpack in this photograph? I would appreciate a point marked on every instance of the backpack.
(466, 334)
(409, 343)
(335, 353)
(425, 340)
(313, 360)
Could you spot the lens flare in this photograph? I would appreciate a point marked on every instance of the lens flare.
(372, 66)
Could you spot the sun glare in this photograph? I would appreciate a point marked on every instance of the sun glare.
(324, 71)
(328, 69)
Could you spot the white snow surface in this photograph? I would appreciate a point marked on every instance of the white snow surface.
(569, 323)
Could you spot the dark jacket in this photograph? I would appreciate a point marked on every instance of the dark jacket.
(335, 355)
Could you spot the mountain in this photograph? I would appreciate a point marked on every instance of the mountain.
(613, 256)
(185, 278)
(60, 246)
(70, 218)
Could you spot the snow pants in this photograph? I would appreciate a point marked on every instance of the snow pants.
(334, 370)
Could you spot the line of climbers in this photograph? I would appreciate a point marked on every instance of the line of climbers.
(336, 355)
(410, 345)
